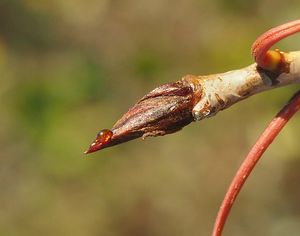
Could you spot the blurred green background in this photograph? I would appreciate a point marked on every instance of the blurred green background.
(72, 67)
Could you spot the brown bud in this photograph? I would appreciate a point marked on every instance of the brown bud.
(164, 110)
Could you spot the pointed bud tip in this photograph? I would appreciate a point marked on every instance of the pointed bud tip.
(87, 151)
(102, 140)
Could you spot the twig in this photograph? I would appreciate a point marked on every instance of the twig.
(252, 158)
(172, 106)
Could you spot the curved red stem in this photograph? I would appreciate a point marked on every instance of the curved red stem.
(264, 42)
(259, 51)
(252, 158)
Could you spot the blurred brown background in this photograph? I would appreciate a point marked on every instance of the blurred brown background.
(72, 67)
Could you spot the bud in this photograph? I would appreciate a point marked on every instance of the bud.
(164, 110)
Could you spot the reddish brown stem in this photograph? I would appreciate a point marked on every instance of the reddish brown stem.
(264, 42)
(252, 158)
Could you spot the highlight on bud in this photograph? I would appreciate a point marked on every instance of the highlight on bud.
(103, 137)
(164, 110)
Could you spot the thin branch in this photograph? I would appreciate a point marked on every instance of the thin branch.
(170, 107)
(252, 158)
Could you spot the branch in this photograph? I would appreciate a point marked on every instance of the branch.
(172, 106)
(252, 158)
